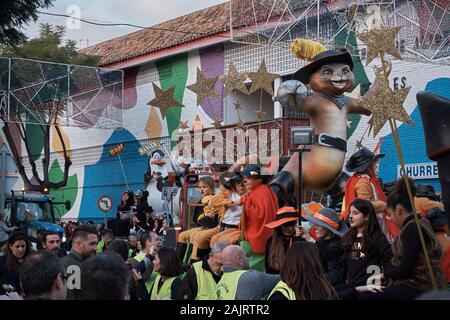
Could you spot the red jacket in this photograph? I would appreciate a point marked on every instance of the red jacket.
(260, 207)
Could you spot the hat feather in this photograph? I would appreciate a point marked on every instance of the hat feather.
(306, 49)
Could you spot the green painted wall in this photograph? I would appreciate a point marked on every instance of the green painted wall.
(64, 194)
(35, 138)
(174, 72)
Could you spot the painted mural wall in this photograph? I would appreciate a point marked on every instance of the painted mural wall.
(96, 173)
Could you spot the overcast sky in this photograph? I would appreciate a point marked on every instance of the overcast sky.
(139, 12)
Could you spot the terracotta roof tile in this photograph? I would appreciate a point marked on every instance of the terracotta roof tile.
(201, 23)
(196, 25)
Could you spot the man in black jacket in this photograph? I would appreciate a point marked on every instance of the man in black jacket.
(84, 245)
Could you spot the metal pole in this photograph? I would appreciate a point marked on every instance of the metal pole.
(299, 204)
(105, 218)
(2, 181)
(123, 172)
(318, 22)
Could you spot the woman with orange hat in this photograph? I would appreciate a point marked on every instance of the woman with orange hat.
(285, 232)
(329, 230)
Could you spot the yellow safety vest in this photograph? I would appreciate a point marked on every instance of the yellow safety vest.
(165, 291)
(206, 285)
(284, 289)
(139, 257)
(100, 245)
(227, 286)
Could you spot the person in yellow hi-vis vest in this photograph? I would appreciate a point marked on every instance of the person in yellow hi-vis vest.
(168, 265)
(302, 276)
(239, 283)
(201, 280)
(143, 261)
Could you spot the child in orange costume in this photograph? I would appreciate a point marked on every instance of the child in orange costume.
(260, 207)
(229, 226)
(221, 201)
(206, 220)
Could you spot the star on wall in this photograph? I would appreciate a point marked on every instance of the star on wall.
(359, 144)
(217, 124)
(237, 104)
(380, 40)
(240, 124)
(164, 99)
(385, 104)
(184, 125)
(204, 87)
(262, 79)
(260, 114)
(234, 80)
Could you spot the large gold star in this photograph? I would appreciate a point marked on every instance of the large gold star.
(385, 104)
(262, 79)
(204, 87)
(234, 80)
(380, 40)
(164, 99)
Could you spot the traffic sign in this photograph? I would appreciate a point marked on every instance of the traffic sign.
(104, 203)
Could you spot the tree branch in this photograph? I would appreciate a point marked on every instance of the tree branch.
(46, 159)
(30, 156)
(67, 163)
(16, 157)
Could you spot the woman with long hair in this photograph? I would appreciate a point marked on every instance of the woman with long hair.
(329, 229)
(17, 249)
(284, 234)
(123, 214)
(168, 265)
(366, 247)
(302, 276)
(408, 270)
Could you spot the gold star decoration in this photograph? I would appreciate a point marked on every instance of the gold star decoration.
(260, 114)
(262, 79)
(164, 99)
(184, 125)
(217, 124)
(385, 104)
(204, 87)
(240, 124)
(359, 144)
(237, 104)
(234, 80)
(380, 40)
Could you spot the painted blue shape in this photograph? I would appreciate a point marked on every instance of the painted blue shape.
(106, 178)
(412, 140)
